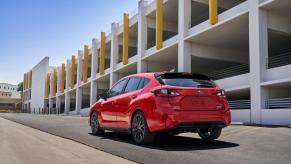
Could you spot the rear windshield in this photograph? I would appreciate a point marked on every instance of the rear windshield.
(185, 80)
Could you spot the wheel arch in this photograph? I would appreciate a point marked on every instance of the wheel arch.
(90, 114)
(133, 113)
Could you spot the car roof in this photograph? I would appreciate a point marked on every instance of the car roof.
(153, 74)
(148, 75)
(145, 75)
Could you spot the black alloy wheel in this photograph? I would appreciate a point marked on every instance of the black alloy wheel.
(95, 127)
(140, 131)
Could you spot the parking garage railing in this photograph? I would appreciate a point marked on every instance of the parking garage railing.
(282, 103)
(151, 1)
(230, 71)
(239, 104)
(133, 12)
(279, 60)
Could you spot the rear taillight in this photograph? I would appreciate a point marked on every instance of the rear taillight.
(221, 94)
(166, 92)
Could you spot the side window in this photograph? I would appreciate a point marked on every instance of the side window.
(117, 88)
(140, 86)
(143, 83)
(132, 84)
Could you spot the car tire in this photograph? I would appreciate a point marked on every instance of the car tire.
(140, 131)
(94, 123)
(211, 135)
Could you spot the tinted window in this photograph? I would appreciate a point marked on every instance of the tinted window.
(132, 84)
(140, 86)
(185, 80)
(117, 88)
(143, 83)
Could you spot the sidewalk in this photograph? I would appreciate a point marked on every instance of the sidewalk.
(25, 145)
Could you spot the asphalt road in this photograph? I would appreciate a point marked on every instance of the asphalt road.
(238, 144)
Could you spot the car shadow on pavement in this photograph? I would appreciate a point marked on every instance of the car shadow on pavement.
(171, 143)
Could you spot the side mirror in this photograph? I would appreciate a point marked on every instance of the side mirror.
(103, 96)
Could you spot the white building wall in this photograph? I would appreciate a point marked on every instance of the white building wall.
(39, 73)
(276, 116)
(242, 115)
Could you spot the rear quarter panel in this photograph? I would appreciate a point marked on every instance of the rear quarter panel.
(148, 105)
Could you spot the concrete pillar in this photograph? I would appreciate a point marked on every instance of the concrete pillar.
(94, 66)
(58, 100)
(50, 105)
(67, 94)
(184, 48)
(142, 36)
(79, 91)
(114, 52)
(51, 95)
(79, 81)
(58, 104)
(258, 33)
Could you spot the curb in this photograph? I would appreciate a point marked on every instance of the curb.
(237, 123)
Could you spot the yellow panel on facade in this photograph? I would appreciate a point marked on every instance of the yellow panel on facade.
(24, 85)
(27, 80)
(159, 24)
(213, 12)
(62, 80)
(30, 78)
(85, 63)
(54, 85)
(102, 54)
(24, 80)
(73, 63)
(47, 86)
(125, 38)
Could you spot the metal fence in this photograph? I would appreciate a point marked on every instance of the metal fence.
(230, 71)
(239, 104)
(279, 60)
(282, 103)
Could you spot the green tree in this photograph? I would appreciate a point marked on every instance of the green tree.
(20, 88)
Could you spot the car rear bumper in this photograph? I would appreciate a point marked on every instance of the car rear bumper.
(197, 119)
(200, 125)
(195, 126)
(188, 121)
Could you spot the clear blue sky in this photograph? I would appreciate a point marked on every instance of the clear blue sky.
(33, 29)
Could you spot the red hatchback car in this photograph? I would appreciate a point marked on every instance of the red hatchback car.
(148, 103)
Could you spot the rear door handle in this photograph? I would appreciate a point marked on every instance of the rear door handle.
(134, 96)
(113, 102)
